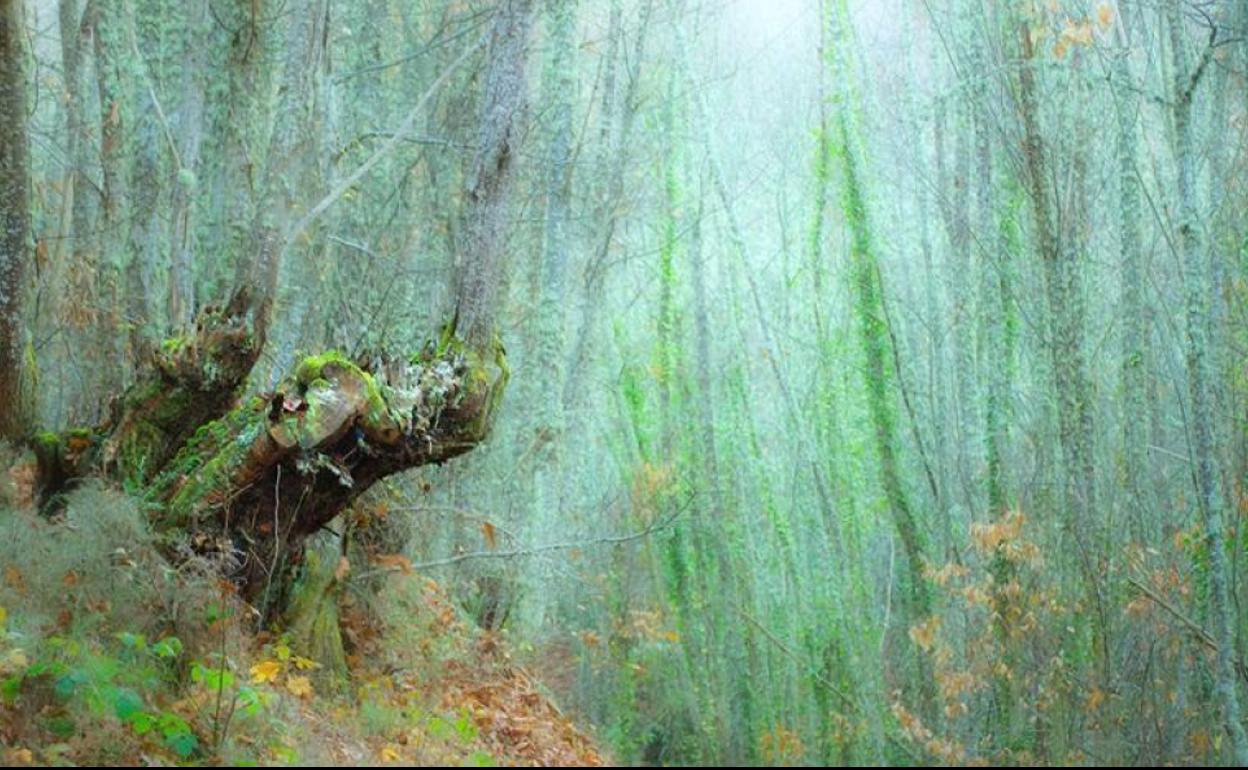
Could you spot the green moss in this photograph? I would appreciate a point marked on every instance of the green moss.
(311, 374)
(49, 449)
(142, 393)
(310, 368)
(46, 440)
(173, 344)
(312, 619)
(446, 345)
(208, 460)
(485, 379)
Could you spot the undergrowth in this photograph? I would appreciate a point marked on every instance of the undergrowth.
(110, 655)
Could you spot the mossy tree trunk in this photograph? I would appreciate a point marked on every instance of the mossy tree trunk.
(15, 221)
(246, 482)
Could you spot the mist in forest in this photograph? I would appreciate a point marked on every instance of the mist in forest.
(641, 382)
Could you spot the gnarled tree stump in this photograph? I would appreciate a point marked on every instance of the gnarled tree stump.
(248, 482)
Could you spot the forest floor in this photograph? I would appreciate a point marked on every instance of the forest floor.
(90, 673)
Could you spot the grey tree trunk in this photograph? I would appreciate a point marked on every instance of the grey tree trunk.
(481, 275)
(15, 223)
(1196, 309)
(1135, 435)
(247, 115)
(288, 156)
(610, 195)
(547, 352)
(190, 129)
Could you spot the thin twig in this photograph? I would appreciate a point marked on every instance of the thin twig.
(531, 551)
(905, 393)
(160, 112)
(1197, 630)
(400, 133)
(793, 656)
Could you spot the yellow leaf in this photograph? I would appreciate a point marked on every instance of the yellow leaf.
(305, 664)
(1095, 699)
(672, 636)
(282, 652)
(1104, 15)
(389, 753)
(1077, 33)
(924, 634)
(4, 615)
(299, 686)
(265, 671)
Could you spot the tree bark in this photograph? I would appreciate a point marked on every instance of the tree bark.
(15, 222)
(246, 482)
(481, 274)
(1196, 302)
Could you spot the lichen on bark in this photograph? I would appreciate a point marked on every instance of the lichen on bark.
(249, 480)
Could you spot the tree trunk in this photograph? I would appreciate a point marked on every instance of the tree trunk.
(247, 482)
(15, 223)
(1135, 333)
(481, 277)
(286, 162)
(1196, 302)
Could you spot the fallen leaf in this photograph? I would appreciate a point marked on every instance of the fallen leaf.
(300, 686)
(13, 579)
(265, 671)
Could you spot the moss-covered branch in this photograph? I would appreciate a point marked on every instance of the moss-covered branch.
(192, 380)
(248, 481)
(254, 484)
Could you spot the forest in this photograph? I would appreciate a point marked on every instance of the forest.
(623, 382)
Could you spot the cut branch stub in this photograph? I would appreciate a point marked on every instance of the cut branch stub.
(192, 380)
(278, 468)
